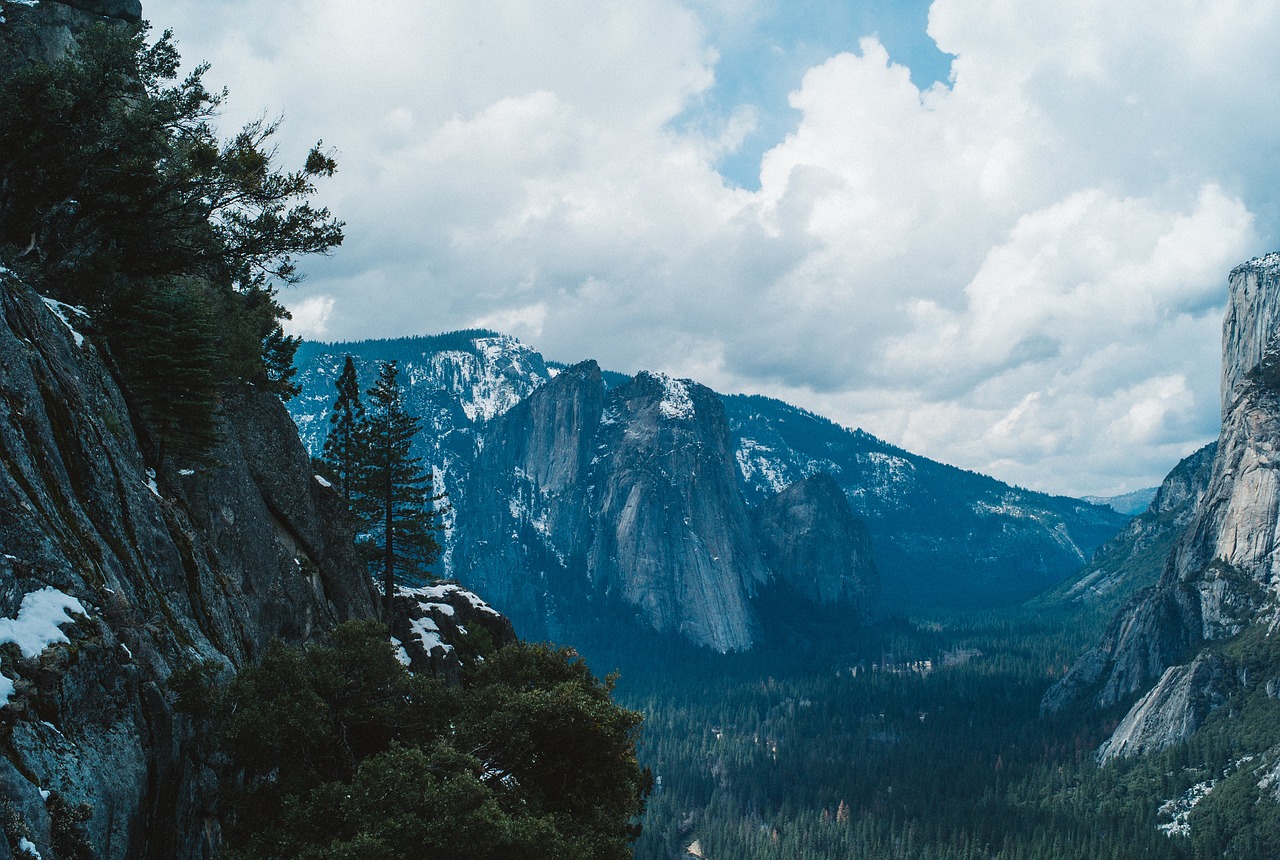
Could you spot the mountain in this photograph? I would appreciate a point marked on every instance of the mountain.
(1200, 636)
(941, 536)
(581, 494)
(1132, 504)
(1135, 557)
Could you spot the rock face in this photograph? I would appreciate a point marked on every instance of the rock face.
(541, 463)
(1252, 321)
(813, 543)
(45, 31)
(1135, 557)
(1221, 575)
(206, 565)
(1174, 708)
(623, 499)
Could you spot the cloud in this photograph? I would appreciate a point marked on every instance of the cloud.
(310, 318)
(1020, 272)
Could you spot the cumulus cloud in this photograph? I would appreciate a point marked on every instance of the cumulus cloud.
(310, 318)
(1020, 271)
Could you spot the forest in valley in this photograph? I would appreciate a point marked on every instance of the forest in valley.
(923, 738)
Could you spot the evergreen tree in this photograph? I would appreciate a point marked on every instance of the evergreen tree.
(343, 456)
(395, 493)
(116, 193)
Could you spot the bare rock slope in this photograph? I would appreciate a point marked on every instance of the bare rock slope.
(1220, 578)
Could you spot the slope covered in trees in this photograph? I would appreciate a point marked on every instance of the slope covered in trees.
(925, 740)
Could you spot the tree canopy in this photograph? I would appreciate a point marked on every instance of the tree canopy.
(342, 752)
(116, 193)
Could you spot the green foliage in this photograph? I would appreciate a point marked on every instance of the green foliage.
(341, 752)
(343, 455)
(117, 194)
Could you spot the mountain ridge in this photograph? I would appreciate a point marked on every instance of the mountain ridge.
(938, 534)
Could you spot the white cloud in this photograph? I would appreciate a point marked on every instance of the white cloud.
(310, 318)
(1020, 273)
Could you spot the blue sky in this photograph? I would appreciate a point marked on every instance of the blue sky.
(764, 53)
(994, 232)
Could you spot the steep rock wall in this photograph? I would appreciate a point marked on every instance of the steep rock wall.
(1221, 575)
(595, 503)
(45, 31)
(205, 565)
(811, 541)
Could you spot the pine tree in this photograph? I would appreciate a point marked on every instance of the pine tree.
(395, 493)
(343, 456)
(117, 194)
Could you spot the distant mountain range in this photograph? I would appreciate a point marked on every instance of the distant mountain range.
(1126, 503)
(579, 493)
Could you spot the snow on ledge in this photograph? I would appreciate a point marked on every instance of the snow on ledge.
(65, 312)
(436, 594)
(36, 627)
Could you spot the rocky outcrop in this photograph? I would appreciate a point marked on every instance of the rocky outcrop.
(1135, 557)
(1221, 575)
(45, 31)
(204, 565)
(439, 626)
(1251, 324)
(811, 542)
(1174, 708)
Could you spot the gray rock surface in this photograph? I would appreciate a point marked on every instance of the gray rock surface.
(1174, 708)
(627, 498)
(46, 31)
(204, 565)
(1221, 575)
(811, 541)
(1251, 324)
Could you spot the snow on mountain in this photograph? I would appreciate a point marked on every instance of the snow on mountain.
(940, 535)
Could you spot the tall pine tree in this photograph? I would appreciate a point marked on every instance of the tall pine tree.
(395, 494)
(343, 455)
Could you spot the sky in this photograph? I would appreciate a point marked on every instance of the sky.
(996, 233)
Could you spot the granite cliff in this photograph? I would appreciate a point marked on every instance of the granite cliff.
(168, 569)
(624, 501)
(1219, 579)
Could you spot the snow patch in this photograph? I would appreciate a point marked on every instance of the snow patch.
(322, 482)
(25, 844)
(676, 402)
(36, 626)
(65, 312)
(428, 633)
(151, 483)
(1179, 809)
(402, 656)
